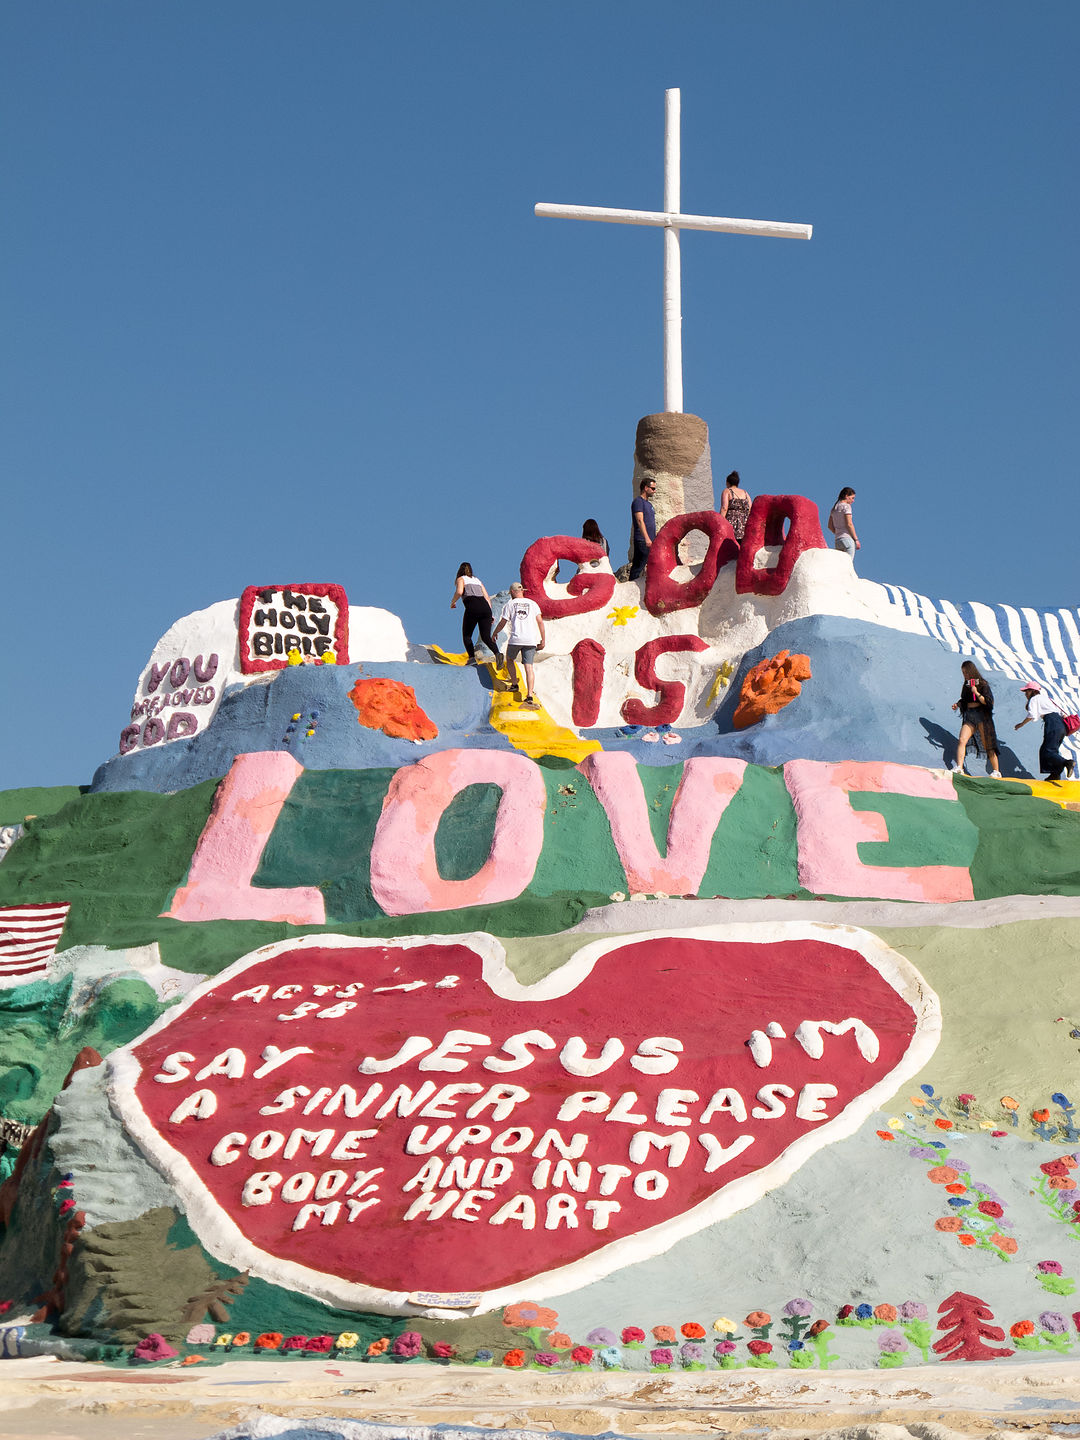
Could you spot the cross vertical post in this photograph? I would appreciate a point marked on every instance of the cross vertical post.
(673, 397)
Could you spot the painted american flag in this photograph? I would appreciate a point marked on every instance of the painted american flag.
(29, 935)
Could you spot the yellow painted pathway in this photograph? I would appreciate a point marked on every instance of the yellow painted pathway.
(533, 732)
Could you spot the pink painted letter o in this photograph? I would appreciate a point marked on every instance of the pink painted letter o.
(405, 878)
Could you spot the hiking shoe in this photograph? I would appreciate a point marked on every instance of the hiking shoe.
(531, 703)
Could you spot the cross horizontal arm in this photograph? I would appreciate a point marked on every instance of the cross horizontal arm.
(778, 230)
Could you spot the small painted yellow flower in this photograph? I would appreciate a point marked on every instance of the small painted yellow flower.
(895, 1123)
(986, 1125)
(621, 614)
(223, 1340)
(348, 1340)
(724, 1326)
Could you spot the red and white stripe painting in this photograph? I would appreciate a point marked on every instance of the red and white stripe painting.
(29, 935)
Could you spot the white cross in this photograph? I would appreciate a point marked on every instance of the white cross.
(672, 222)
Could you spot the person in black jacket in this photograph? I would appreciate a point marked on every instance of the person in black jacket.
(976, 706)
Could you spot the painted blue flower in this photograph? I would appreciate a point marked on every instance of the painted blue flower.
(796, 1345)
(1063, 1100)
(864, 1312)
(927, 1089)
(958, 1201)
(610, 1356)
(939, 1144)
(483, 1354)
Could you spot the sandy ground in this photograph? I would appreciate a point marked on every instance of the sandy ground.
(49, 1399)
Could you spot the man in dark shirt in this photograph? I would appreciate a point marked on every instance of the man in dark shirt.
(643, 526)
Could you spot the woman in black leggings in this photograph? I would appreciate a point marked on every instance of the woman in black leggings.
(477, 601)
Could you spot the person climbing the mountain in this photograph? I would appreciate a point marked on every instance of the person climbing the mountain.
(525, 638)
(842, 525)
(735, 505)
(591, 531)
(477, 602)
(1040, 707)
(643, 525)
(976, 706)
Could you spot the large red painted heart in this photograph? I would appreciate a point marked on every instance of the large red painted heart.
(368, 1120)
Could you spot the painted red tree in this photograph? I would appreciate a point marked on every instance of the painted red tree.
(964, 1318)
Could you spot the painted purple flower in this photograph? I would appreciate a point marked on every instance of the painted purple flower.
(920, 1152)
(546, 1358)
(799, 1307)
(724, 1347)
(988, 1192)
(1068, 1195)
(891, 1343)
(1049, 1267)
(912, 1310)
(693, 1353)
(409, 1343)
(661, 1356)
(1053, 1323)
(602, 1336)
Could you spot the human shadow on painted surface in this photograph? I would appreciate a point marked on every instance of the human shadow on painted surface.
(943, 742)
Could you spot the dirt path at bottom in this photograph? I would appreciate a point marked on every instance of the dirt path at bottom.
(46, 1399)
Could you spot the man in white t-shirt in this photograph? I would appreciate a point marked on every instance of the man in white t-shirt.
(525, 638)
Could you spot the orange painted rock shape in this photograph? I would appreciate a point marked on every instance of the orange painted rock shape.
(770, 686)
(391, 706)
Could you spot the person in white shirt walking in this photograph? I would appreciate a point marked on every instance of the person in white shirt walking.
(1051, 760)
(525, 638)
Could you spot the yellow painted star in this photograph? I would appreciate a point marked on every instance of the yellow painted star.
(622, 613)
(723, 675)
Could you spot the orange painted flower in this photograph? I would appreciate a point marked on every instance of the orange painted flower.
(241, 1338)
(1009, 1103)
(664, 1335)
(944, 1124)
(1061, 1182)
(1069, 1161)
(885, 1135)
(1004, 1243)
(1021, 1328)
(942, 1174)
(918, 1101)
(192, 1360)
(885, 1312)
(526, 1314)
(559, 1341)
(514, 1358)
(948, 1222)
(692, 1330)
(1040, 1115)
(966, 1239)
(757, 1318)
(378, 1347)
(956, 1188)
(269, 1340)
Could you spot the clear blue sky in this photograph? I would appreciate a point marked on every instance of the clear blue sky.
(276, 307)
